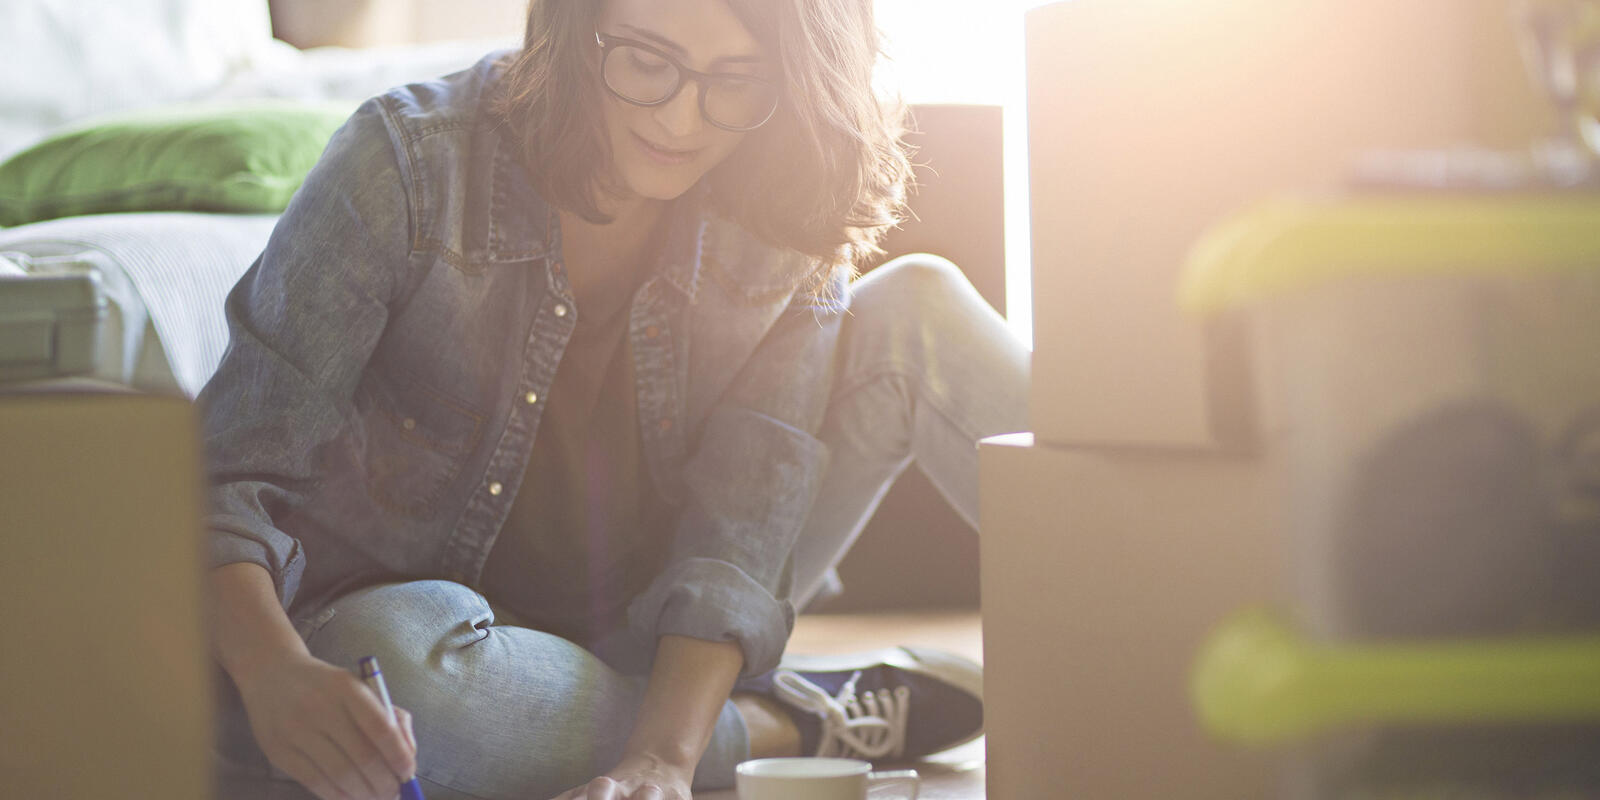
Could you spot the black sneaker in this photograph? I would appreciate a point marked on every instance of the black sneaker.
(894, 704)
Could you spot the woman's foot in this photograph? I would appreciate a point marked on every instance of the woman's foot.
(894, 704)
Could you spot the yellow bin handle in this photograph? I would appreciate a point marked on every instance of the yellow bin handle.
(1257, 682)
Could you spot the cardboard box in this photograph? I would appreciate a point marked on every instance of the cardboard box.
(106, 680)
(1103, 572)
(1151, 120)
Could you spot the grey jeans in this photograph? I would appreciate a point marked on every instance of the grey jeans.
(925, 369)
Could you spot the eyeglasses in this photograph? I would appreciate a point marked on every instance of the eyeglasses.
(645, 76)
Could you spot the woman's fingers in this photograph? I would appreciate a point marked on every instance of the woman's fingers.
(575, 793)
(649, 791)
(411, 735)
(608, 788)
(385, 739)
(299, 766)
(336, 764)
(367, 760)
(602, 788)
(326, 729)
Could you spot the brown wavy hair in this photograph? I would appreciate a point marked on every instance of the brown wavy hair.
(826, 177)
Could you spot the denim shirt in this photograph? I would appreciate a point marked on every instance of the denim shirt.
(391, 348)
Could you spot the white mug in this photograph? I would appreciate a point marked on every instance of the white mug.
(818, 779)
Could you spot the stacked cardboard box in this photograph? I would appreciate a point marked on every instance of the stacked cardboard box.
(1102, 573)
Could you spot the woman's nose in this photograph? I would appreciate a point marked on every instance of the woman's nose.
(680, 116)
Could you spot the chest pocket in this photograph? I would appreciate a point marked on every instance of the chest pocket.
(417, 440)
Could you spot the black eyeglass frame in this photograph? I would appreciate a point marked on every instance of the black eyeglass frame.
(685, 74)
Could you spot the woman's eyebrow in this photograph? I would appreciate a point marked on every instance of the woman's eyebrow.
(677, 49)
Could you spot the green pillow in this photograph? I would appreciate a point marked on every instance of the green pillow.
(243, 157)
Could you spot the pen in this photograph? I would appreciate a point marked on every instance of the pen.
(373, 678)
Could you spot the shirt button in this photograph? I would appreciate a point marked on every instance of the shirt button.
(495, 488)
(409, 424)
(666, 424)
(652, 332)
(561, 309)
(530, 398)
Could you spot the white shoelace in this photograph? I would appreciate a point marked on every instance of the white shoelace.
(871, 726)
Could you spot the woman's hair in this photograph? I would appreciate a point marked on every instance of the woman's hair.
(827, 176)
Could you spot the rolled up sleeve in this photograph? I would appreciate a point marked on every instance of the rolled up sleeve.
(750, 481)
(237, 539)
(302, 321)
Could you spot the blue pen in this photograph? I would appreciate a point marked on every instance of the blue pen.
(373, 678)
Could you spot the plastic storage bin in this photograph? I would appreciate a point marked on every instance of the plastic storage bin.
(1430, 367)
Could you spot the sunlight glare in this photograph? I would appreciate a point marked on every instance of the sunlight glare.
(971, 51)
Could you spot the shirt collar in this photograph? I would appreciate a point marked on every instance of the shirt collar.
(683, 245)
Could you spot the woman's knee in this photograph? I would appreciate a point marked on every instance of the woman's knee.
(399, 623)
(919, 287)
(915, 275)
(911, 301)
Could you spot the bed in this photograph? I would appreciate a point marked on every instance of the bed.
(160, 275)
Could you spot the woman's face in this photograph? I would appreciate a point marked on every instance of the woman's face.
(659, 152)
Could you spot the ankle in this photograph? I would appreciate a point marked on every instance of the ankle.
(771, 729)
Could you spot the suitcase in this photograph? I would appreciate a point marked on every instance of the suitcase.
(51, 325)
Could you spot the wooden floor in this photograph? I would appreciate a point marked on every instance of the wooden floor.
(947, 776)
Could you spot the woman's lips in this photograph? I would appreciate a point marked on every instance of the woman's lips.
(662, 156)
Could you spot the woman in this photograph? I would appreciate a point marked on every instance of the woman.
(584, 577)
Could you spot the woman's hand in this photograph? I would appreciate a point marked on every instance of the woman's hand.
(327, 730)
(689, 683)
(638, 777)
